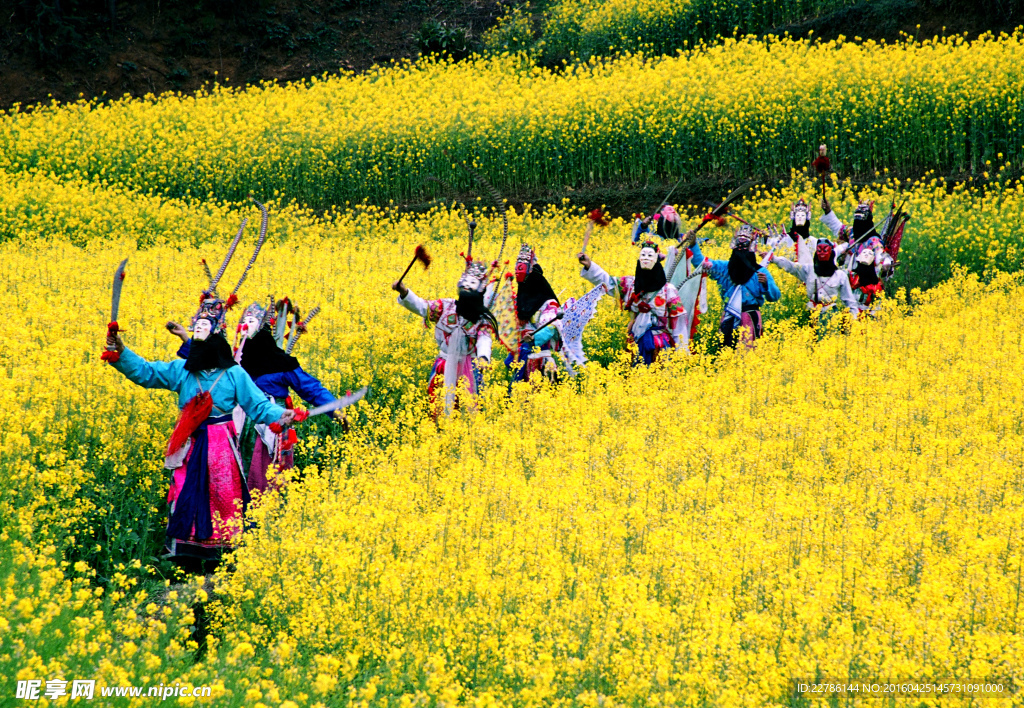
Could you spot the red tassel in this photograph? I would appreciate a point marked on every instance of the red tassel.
(599, 218)
(111, 356)
(232, 300)
(301, 414)
(192, 415)
(422, 256)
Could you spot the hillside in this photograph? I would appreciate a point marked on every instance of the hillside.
(64, 49)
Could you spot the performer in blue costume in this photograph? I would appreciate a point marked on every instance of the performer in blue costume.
(208, 494)
(276, 373)
(755, 285)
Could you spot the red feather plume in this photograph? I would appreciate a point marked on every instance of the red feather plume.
(599, 218)
(822, 164)
(422, 256)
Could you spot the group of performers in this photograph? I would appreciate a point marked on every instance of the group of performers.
(236, 409)
(664, 304)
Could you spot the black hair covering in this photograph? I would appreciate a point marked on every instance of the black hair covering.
(742, 266)
(649, 281)
(804, 230)
(862, 226)
(866, 274)
(261, 356)
(470, 305)
(824, 269)
(534, 291)
(214, 352)
(666, 228)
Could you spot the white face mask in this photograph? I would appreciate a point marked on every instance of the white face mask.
(250, 325)
(470, 283)
(201, 329)
(800, 217)
(648, 257)
(867, 257)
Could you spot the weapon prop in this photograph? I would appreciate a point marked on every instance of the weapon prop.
(300, 329)
(775, 238)
(823, 165)
(420, 255)
(111, 354)
(264, 218)
(499, 203)
(595, 217)
(227, 259)
(282, 320)
(720, 221)
(344, 402)
(669, 195)
(717, 212)
(544, 326)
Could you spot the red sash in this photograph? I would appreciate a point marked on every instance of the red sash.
(195, 412)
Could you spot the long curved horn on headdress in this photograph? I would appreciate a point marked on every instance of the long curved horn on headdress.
(206, 271)
(227, 258)
(264, 218)
(268, 312)
(301, 329)
(454, 196)
(499, 203)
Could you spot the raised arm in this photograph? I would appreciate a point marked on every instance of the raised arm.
(252, 400)
(308, 387)
(412, 302)
(595, 274)
(157, 374)
(797, 271)
(832, 221)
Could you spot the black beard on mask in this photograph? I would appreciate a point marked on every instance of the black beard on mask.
(261, 356)
(214, 352)
(534, 291)
(742, 266)
(470, 305)
(862, 226)
(804, 231)
(866, 274)
(824, 269)
(649, 281)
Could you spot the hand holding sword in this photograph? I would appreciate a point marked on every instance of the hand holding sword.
(300, 414)
(114, 345)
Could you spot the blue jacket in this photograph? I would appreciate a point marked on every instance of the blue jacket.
(308, 387)
(754, 294)
(234, 387)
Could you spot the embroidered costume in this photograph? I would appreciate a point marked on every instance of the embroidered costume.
(462, 329)
(537, 308)
(742, 291)
(690, 282)
(208, 494)
(656, 312)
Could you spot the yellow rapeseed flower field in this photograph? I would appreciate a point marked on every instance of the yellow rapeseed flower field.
(742, 107)
(700, 533)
